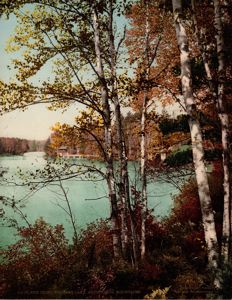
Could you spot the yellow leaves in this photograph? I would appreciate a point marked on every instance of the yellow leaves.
(59, 135)
(10, 46)
(158, 294)
(56, 127)
(39, 13)
(124, 87)
(79, 136)
(89, 119)
(15, 96)
(59, 104)
(26, 53)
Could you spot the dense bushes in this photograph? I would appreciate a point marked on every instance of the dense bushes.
(34, 262)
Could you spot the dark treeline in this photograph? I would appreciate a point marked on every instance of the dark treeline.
(17, 146)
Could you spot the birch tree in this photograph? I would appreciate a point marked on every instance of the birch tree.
(224, 119)
(143, 159)
(108, 137)
(143, 42)
(124, 189)
(217, 90)
(197, 147)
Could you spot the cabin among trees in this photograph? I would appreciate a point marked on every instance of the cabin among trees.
(67, 151)
(83, 147)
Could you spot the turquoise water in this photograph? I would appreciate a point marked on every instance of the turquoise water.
(88, 199)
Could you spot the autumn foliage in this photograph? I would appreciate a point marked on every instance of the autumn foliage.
(149, 66)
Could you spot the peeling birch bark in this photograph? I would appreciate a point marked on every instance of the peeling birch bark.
(108, 141)
(197, 147)
(224, 119)
(124, 188)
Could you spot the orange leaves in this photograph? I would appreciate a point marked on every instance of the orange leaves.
(86, 135)
(159, 54)
(133, 133)
(136, 35)
(176, 138)
(64, 135)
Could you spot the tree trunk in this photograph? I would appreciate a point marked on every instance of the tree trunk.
(108, 141)
(143, 160)
(197, 147)
(218, 93)
(224, 119)
(124, 188)
(120, 136)
(143, 177)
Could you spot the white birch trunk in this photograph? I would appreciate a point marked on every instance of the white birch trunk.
(143, 177)
(124, 192)
(108, 141)
(224, 119)
(197, 148)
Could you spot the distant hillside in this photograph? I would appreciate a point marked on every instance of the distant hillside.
(16, 146)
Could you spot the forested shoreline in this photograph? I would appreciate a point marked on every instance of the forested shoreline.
(16, 146)
(168, 65)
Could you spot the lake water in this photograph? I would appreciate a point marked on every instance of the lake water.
(44, 202)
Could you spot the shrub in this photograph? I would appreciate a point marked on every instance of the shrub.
(36, 261)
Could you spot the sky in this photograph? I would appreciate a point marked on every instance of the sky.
(37, 120)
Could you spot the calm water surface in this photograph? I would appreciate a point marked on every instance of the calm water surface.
(44, 202)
